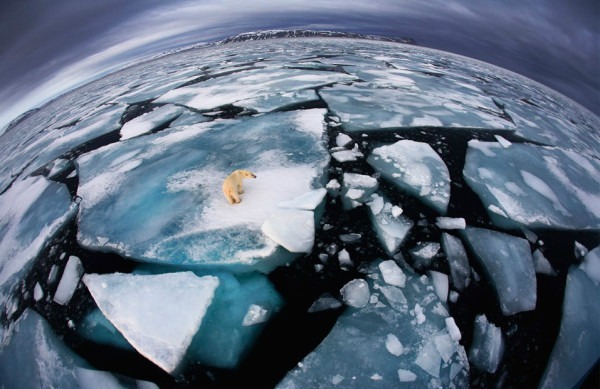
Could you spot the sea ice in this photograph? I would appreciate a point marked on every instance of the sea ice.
(150, 121)
(424, 253)
(31, 212)
(551, 188)
(541, 264)
(451, 223)
(392, 274)
(417, 169)
(509, 265)
(255, 315)
(440, 284)
(324, 302)
(356, 189)
(391, 230)
(591, 265)
(356, 293)
(456, 254)
(381, 339)
(488, 345)
(577, 348)
(158, 198)
(157, 314)
(69, 281)
(342, 140)
(293, 229)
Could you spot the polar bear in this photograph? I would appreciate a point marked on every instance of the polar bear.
(232, 186)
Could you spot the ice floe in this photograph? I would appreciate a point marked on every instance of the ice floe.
(150, 121)
(534, 186)
(157, 314)
(69, 281)
(417, 169)
(487, 348)
(458, 261)
(508, 263)
(391, 229)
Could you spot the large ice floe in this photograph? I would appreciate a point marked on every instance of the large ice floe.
(533, 186)
(397, 334)
(177, 174)
(380, 244)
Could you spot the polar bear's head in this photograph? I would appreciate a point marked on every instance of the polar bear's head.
(245, 174)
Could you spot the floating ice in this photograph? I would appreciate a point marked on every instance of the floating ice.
(577, 348)
(440, 284)
(333, 187)
(293, 229)
(391, 230)
(308, 201)
(417, 169)
(356, 293)
(342, 140)
(453, 329)
(424, 253)
(38, 292)
(158, 198)
(392, 274)
(69, 281)
(272, 102)
(503, 142)
(451, 223)
(381, 339)
(150, 121)
(356, 189)
(456, 254)
(488, 345)
(255, 315)
(541, 264)
(250, 88)
(344, 259)
(31, 212)
(509, 265)
(551, 188)
(324, 302)
(591, 265)
(157, 314)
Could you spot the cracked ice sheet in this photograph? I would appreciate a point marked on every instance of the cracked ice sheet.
(362, 107)
(251, 84)
(534, 186)
(31, 212)
(158, 198)
(358, 347)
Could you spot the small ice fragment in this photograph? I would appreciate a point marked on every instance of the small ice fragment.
(497, 210)
(53, 273)
(406, 375)
(377, 204)
(503, 141)
(541, 264)
(440, 284)
(350, 238)
(356, 293)
(376, 377)
(342, 140)
(446, 346)
(255, 315)
(453, 296)
(451, 223)
(38, 292)
(392, 274)
(530, 235)
(319, 267)
(323, 303)
(419, 314)
(393, 345)
(580, 250)
(396, 211)
(344, 258)
(69, 281)
(488, 345)
(333, 187)
(453, 329)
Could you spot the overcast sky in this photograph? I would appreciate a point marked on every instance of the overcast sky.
(50, 46)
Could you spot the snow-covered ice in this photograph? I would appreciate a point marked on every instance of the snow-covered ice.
(150, 121)
(157, 314)
(534, 186)
(357, 189)
(508, 263)
(417, 169)
(291, 228)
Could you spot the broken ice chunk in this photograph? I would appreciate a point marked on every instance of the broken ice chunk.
(350, 238)
(457, 259)
(424, 253)
(333, 187)
(446, 346)
(579, 250)
(591, 265)
(292, 229)
(453, 329)
(255, 315)
(406, 375)
(344, 156)
(157, 314)
(509, 265)
(357, 188)
(488, 345)
(450, 223)
(503, 141)
(38, 292)
(324, 302)
(344, 258)
(392, 274)
(342, 140)
(308, 201)
(393, 345)
(69, 281)
(429, 359)
(149, 121)
(440, 284)
(541, 264)
(391, 230)
(416, 168)
(577, 348)
(356, 293)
